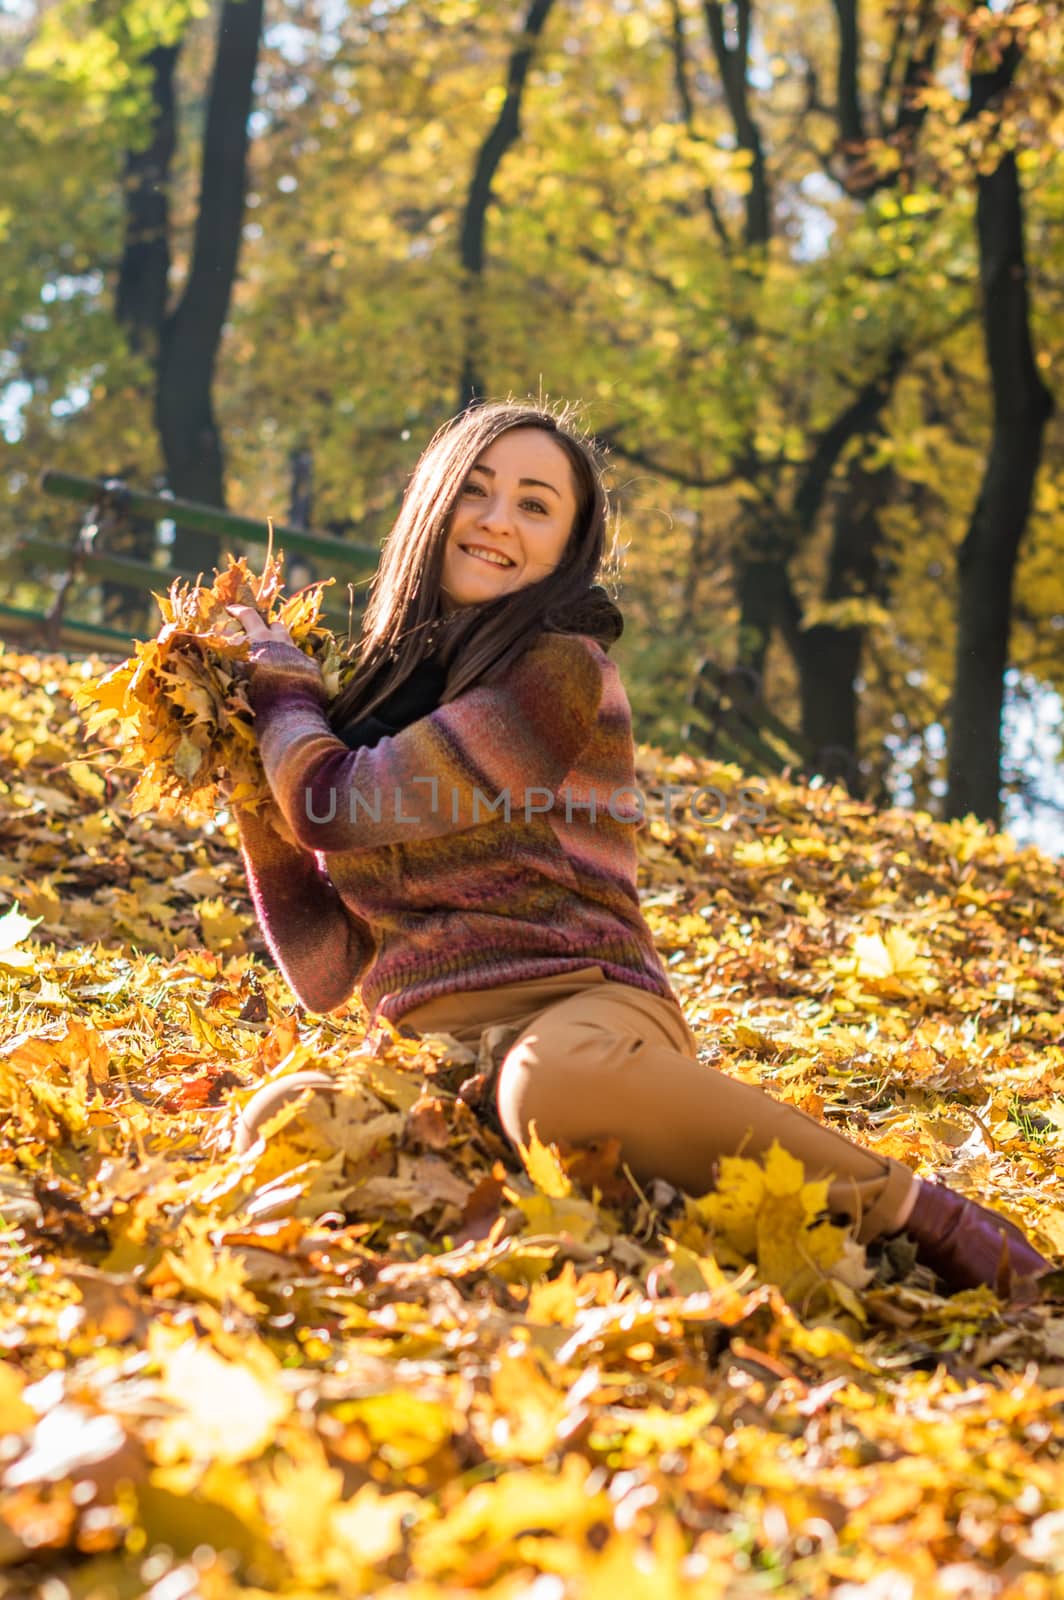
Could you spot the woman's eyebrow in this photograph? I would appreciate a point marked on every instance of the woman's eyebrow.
(536, 482)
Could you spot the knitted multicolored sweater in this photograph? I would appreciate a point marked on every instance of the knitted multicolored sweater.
(487, 843)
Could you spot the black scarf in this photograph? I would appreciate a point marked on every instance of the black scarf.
(420, 693)
(415, 697)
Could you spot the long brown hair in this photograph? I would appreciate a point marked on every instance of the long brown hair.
(403, 620)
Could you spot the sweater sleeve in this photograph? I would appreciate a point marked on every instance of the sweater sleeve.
(498, 749)
(320, 946)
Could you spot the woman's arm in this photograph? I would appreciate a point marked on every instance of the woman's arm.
(512, 741)
(320, 946)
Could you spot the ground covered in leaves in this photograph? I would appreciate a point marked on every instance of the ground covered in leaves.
(379, 1354)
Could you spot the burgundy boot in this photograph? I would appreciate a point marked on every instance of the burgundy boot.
(968, 1244)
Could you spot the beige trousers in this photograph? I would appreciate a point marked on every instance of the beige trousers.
(589, 1058)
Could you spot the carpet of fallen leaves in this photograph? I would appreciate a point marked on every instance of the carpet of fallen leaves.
(379, 1354)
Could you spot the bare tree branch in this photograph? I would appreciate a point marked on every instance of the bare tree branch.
(679, 57)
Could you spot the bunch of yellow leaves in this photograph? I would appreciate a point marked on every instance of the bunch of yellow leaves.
(766, 1211)
(180, 700)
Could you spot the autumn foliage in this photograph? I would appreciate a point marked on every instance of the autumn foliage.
(380, 1353)
(183, 719)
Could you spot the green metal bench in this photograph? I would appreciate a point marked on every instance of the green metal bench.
(18, 626)
(111, 503)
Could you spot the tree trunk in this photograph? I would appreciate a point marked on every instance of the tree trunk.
(827, 657)
(732, 63)
(987, 559)
(687, 105)
(829, 654)
(763, 585)
(300, 569)
(489, 158)
(140, 295)
(847, 91)
(908, 69)
(191, 333)
(766, 543)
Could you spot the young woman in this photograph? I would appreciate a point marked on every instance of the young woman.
(456, 833)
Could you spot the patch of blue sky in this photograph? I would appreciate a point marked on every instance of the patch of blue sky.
(1031, 735)
(14, 398)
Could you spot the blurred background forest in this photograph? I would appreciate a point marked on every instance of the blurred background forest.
(800, 264)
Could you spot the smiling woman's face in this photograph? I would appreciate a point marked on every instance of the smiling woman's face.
(518, 501)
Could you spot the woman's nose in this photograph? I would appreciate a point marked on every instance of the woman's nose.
(495, 516)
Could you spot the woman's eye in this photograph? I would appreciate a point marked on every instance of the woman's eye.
(472, 487)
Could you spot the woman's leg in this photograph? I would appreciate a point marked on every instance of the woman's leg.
(464, 1015)
(585, 1057)
(616, 1060)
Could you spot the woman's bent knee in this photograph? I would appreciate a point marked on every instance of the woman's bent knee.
(531, 1090)
(581, 1082)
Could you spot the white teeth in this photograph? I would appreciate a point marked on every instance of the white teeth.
(487, 555)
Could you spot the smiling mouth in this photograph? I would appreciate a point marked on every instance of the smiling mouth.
(491, 561)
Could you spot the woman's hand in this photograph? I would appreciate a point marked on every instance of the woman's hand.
(256, 628)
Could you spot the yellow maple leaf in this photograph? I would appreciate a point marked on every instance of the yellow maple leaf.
(369, 1527)
(87, 779)
(494, 1513)
(108, 694)
(403, 1427)
(561, 1218)
(222, 928)
(521, 1419)
(555, 1301)
(219, 1276)
(765, 1213)
(15, 1414)
(895, 955)
(544, 1166)
(223, 1410)
(13, 929)
(299, 1497)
